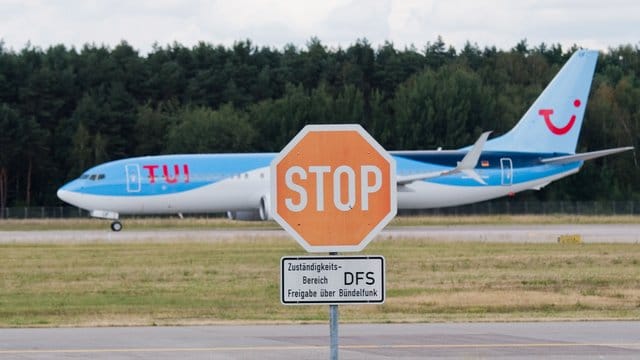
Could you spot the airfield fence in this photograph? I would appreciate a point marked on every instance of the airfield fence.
(536, 208)
(485, 208)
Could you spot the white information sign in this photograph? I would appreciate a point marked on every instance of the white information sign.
(332, 280)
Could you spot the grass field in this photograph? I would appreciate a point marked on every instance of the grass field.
(214, 223)
(238, 281)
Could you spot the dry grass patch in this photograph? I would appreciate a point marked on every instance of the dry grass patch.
(509, 301)
(191, 282)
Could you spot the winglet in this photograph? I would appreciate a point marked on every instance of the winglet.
(470, 161)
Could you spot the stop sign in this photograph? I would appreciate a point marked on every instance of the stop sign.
(333, 188)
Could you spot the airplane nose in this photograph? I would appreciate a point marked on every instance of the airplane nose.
(63, 195)
(70, 197)
(69, 192)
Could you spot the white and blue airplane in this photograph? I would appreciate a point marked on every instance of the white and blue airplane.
(537, 151)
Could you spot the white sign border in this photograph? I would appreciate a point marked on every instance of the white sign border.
(334, 257)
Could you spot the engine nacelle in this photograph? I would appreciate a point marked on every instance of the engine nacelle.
(244, 215)
(265, 208)
(262, 213)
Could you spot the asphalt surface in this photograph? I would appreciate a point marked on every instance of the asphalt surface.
(556, 340)
(590, 233)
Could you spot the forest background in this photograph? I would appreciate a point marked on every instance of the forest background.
(63, 110)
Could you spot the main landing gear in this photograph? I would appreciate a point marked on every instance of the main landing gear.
(116, 226)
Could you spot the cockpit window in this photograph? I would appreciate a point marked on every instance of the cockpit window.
(93, 177)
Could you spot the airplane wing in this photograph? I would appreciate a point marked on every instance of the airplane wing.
(584, 156)
(404, 180)
(465, 166)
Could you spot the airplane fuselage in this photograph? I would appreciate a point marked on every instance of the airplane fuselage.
(240, 182)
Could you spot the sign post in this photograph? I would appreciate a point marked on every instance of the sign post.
(333, 188)
(333, 330)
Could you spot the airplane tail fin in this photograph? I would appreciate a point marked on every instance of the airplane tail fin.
(552, 124)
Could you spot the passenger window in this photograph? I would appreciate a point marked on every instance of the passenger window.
(100, 176)
(93, 177)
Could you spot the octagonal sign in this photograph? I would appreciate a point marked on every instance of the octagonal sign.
(333, 187)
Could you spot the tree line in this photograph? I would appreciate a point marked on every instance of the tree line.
(63, 109)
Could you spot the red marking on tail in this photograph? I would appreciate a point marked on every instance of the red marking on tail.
(546, 114)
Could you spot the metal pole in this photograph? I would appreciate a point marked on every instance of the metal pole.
(333, 327)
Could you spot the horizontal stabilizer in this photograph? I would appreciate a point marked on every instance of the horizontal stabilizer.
(474, 175)
(467, 165)
(584, 156)
(540, 186)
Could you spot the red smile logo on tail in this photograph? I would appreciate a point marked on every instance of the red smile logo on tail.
(546, 114)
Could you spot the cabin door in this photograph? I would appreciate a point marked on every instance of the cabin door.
(133, 178)
(507, 171)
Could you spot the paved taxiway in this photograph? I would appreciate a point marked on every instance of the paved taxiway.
(627, 233)
(565, 340)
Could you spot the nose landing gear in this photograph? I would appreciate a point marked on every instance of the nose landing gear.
(116, 226)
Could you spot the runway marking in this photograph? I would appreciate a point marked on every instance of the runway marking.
(315, 347)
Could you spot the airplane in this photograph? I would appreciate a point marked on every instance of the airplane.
(540, 149)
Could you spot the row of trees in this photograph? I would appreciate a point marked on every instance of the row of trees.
(63, 109)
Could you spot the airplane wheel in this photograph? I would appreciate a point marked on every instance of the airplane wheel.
(116, 226)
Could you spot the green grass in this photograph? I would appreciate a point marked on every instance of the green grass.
(132, 224)
(222, 223)
(514, 219)
(238, 281)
